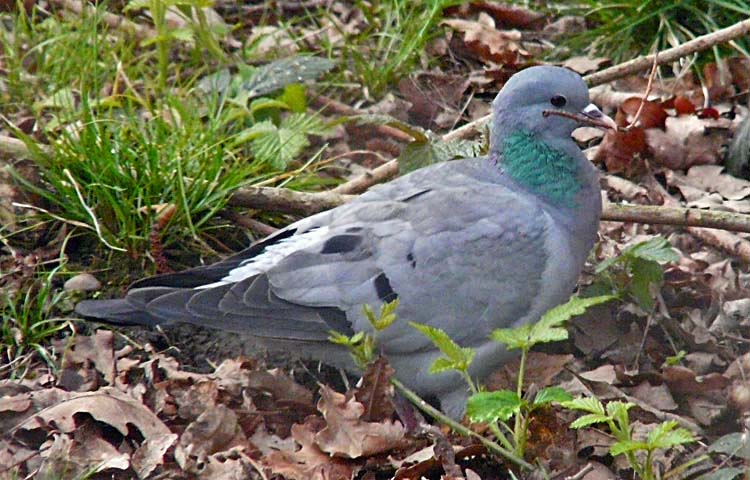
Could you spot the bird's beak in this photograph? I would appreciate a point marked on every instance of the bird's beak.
(596, 118)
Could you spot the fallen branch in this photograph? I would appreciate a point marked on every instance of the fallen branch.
(699, 223)
(685, 217)
(307, 203)
(286, 201)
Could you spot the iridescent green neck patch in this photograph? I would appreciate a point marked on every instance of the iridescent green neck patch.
(545, 171)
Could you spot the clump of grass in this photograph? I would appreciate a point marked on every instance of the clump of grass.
(390, 45)
(27, 324)
(626, 29)
(117, 172)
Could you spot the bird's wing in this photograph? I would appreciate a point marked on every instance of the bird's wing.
(314, 276)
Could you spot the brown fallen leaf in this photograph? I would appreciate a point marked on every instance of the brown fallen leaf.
(215, 430)
(151, 453)
(488, 43)
(346, 434)
(106, 405)
(309, 462)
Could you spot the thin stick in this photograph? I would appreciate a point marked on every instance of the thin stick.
(650, 84)
(695, 45)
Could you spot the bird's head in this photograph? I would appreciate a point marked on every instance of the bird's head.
(546, 101)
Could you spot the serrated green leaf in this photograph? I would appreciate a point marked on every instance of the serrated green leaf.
(547, 329)
(626, 446)
(418, 154)
(512, 338)
(279, 145)
(444, 364)
(657, 249)
(667, 435)
(644, 274)
(456, 357)
(586, 404)
(493, 406)
(551, 394)
(589, 419)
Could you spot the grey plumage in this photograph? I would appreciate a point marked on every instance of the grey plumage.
(467, 246)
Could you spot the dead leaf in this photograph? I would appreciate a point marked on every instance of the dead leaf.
(151, 453)
(106, 405)
(216, 429)
(489, 44)
(346, 434)
(376, 393)
(309, 462)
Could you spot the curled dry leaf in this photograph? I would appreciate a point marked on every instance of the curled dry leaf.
(215, 430)
(652, 114)
(106, 405)
(151, 453)
(309, 462)
(346, 434)
(488, 43)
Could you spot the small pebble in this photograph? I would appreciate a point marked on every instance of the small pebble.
(83, 282)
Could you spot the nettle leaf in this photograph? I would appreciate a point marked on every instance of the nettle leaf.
(645, 273)
(550, 395)
(493, 406)
(549, 327)
(586, 404)
(279, 145)
(626, 446)
(657, 249)
(421, 154)
(667, 435)
(456, 357)
(590, 419)
(512, 338)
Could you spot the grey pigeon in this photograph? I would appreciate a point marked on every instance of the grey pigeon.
(467, 246)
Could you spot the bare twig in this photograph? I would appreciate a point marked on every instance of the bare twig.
(365, 181)
(695, 45)
(644, 97)
(285, 200)
(307, 203)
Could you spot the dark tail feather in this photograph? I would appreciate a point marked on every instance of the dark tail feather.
(116, 312)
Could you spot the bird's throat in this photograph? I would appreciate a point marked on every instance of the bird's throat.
(547, 172)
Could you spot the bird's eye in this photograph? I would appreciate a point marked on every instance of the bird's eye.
(558, 101)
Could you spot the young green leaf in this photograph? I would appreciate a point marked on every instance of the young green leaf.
(589, 419)
(513, 338)
(627, 446)
(549, 327)
(490, 407)
(550, 395)
(586, 404)
(456, 357)
(667, 435)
